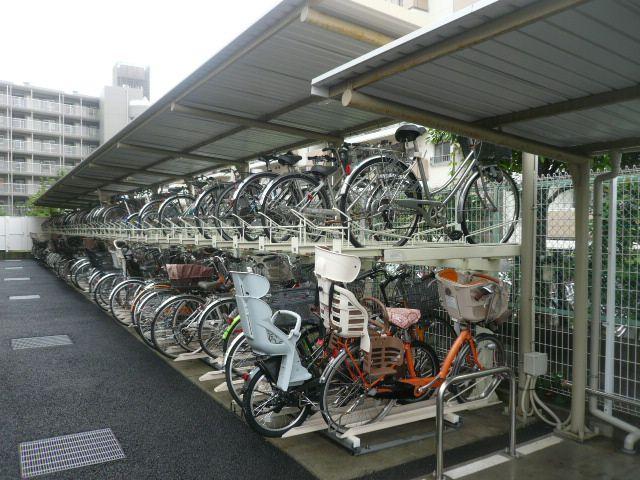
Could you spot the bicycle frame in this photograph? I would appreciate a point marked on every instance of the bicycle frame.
(420, 384)
(456, 182)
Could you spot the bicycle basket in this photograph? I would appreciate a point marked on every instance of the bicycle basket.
(463, 297)
(422, 293)
(274, 267)
(299, 300)
(386, 354)
(486, 153)
(188, 275)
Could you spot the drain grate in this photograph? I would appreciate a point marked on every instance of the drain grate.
(68, 451)
(40, 342)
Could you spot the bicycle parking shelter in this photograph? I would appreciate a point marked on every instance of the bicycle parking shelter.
(512, 72)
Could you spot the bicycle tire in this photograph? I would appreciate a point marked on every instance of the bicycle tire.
(246, 202)
(464, 208)
(211, 332)
(354, 179)
(428, 368)
(258, 382)
(121, 311)
(377, 407)
(236, 359)
(462, 365)
(269, 209)
(164, 329)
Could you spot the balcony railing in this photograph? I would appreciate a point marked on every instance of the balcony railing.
(27, 146)
(23, 189)
(35, 168)
(48, 106)
(441, 159)
(41, 126)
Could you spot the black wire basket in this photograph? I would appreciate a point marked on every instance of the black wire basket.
(422, 293)
(299, 300)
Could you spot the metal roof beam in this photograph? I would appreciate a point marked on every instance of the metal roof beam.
(566, 106)
(342, 27)
(171, 154)
(116, 181)
(627, 144)
(199, 112)
(486, 31)
(388, 108)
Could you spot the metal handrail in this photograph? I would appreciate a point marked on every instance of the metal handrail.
(511, 450)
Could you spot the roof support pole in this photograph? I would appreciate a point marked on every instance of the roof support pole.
(527, 264)
(388, 108)
(580, 175)
(342, 27)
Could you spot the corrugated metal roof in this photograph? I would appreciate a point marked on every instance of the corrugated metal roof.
(264, 74)
(567, 75)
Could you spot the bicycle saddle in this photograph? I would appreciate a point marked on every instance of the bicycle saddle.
(323, 170)
(408, 133)
(174, 190)
(289, 159)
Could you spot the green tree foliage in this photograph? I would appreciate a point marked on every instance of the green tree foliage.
(34, 210)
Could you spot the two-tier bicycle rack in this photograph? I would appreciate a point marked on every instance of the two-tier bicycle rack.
(485, 257)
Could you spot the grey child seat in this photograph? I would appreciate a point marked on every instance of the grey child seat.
(264, 337)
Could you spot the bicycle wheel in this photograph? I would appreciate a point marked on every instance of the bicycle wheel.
(122, 298)
(295, 192)
(105, 285)
(174, 329)
(94, 279)
(490, 355)
(172, 209)
(205, 209)
(439, 335)
(490, 206)
(77, 265)
(212, 324)
(425, 364)
(145, 313)
(223, 212)
(246, 204)
(268, 410)
(345, 400)
(82, 275)
(372, 202)
(239, 361)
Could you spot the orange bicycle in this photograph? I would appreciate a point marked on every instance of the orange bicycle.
(362, 383)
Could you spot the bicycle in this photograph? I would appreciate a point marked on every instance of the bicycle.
(363, 382)
(383, 200)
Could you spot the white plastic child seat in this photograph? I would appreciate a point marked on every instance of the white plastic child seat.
(337, 267)
(472, 297)
(250, 284)
(263, 336)
(340, 310)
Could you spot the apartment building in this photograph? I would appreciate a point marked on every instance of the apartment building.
(44, 133)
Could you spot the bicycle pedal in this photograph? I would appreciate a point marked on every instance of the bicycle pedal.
(455, 234)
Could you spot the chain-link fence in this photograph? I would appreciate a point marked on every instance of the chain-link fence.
(554, 289)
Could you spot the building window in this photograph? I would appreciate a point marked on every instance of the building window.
(441, 154)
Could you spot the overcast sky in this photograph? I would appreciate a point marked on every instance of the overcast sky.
(73, 44)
